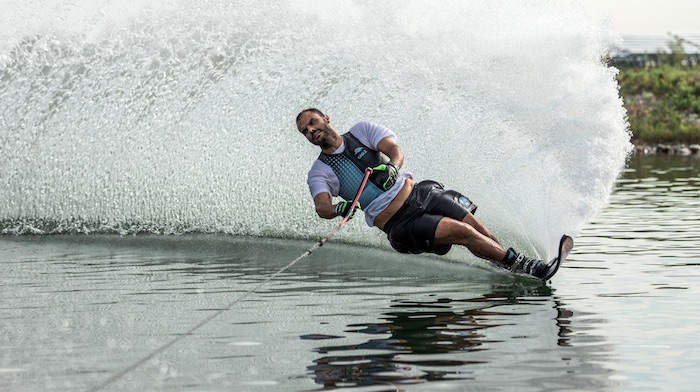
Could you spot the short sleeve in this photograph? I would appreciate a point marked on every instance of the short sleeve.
(321, 179)
(370, 134)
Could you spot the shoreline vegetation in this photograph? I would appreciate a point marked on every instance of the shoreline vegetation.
(662, 100)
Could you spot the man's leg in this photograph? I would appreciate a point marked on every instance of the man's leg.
(476, 238)
(452, 231)
(473, 222)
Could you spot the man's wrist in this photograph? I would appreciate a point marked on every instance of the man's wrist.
(338, 209)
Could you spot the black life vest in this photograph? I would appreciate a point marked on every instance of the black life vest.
(350, 167)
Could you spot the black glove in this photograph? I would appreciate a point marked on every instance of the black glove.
(343, 208)
(385, 174)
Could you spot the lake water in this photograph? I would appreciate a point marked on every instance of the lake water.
(87, 312)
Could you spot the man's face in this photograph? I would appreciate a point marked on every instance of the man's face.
(316, 129)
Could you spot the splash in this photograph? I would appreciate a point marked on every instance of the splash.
(171, 117)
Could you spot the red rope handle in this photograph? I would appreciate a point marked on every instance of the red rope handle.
(368, 171)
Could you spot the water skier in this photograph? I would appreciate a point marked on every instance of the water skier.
(416, 217)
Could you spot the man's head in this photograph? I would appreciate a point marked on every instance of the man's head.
(312, 110)
(316, 127)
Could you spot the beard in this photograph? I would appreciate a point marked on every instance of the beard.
(327, 137)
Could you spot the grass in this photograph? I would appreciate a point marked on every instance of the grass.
(663, 103)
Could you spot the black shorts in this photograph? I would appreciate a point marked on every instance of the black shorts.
(412, 228)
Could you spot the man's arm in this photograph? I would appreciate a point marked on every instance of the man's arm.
(324, 207)
(392, 150)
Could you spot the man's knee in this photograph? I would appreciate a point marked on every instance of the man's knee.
(452, 231)
(478, 226)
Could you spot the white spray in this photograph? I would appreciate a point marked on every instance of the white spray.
(175, 116)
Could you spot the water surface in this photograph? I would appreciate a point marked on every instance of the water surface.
(620, 315)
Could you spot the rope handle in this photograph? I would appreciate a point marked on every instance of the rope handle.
(355, 200)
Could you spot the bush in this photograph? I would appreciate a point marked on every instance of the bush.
(663, 103)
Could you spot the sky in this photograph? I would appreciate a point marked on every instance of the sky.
(648, 17)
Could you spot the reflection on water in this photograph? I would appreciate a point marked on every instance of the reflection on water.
(620, 315)
(635, 256)
(76, 310)
(441, 339)
(423, 328)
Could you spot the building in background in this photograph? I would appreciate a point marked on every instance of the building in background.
(655, 50)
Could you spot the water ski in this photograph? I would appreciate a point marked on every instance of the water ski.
(534, 268)
(566, 243)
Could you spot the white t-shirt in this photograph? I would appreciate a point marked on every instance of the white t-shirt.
(322, 178)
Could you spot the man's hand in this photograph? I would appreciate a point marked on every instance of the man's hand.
(343, 208)
(386, 174)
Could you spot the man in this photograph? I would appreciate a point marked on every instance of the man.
(417, 217)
